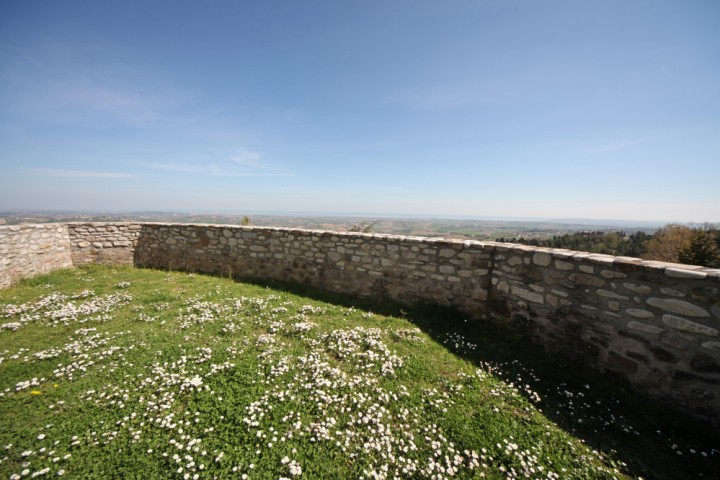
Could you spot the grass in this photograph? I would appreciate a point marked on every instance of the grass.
(110, 372)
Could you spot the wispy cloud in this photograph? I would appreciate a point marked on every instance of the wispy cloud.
(50, 172)
(252, 161)
(247, 158)
(113, 102)
(212, 170)
(55, 84)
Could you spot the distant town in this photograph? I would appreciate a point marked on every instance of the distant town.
(430, 227)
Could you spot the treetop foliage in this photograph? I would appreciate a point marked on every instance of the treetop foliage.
(675, 243)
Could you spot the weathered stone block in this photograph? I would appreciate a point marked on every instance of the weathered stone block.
(542, 259)
(609, 294)
(514, 261)
(671, 292)
(527, 294)
(644, 327)
(561, 265)
(639, 313)
(684, 273)
(612, 274)
(447, 252)
(678, 306)
(688, 325)
(588, 280)
(503, 287)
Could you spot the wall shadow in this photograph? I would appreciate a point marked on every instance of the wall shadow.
(614, 417)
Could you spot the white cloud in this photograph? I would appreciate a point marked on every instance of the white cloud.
(212, 170)
(247, 158)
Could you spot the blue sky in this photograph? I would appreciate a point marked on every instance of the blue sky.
(485, 108)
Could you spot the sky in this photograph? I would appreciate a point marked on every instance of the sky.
(485, 108)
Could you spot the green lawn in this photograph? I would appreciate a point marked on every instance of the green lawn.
(115, 372)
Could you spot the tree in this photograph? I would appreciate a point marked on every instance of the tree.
(667, 243)
(363, 227)
(703, 249)
(246, 220)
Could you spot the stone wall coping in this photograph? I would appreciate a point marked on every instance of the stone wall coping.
(671, 269)
(20, 226)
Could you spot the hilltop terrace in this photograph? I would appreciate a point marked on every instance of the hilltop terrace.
(654, 323)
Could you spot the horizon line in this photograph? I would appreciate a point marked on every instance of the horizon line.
(279, 213)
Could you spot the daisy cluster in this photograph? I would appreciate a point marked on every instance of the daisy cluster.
(261, 387)
(57, 309)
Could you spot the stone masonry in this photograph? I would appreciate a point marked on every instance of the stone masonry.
(655, 323)
(29, 250)
(103, 243)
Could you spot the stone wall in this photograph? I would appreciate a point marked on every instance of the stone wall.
(103, 243)
(408, 269)
(657, 324)
(28, 250)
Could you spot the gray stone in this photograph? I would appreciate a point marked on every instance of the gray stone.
(680, 323)
(513, 261)
(678, 306)
(587, 268)
(683, 273)
(639, 313)
(589, 280)
(542, 259)
(609, 294)
(672, 342)
(644, 327)
(601, 259)
(672, 292)
(447, 252)
(637, 288)
(612, 274)
(714, 346)
(527, 294)
(560, 265)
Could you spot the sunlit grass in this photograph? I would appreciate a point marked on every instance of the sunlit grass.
(113, 372)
